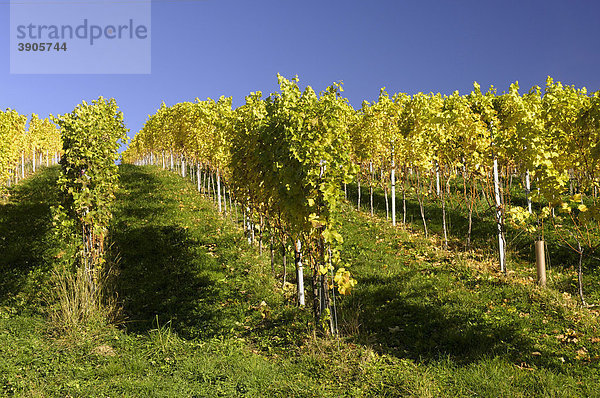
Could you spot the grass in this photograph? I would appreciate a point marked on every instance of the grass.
(560, 260)
(25, 242)
(429, 304)
(422, 322)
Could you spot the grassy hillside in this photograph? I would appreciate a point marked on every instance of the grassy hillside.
(203, 316)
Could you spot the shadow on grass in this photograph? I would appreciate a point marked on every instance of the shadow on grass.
(25, 222)
(159, 277)
(413, 302)
(165, 270)
(414, 322)
(484, 229)
(407, 317)
(483, 226)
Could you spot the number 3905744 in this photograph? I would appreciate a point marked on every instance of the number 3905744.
(42, 47)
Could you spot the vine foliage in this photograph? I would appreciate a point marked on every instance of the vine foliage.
(91, 136)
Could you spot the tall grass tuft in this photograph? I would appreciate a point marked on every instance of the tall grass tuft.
(76, 306)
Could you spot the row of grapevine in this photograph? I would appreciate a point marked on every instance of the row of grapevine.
(548, 141)
(91, 136)
(282, 159)
(289, 156)
(22, 149)
(422, 144)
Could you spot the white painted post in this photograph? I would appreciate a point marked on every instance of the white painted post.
(358, 191)
(499, 218)
(437, 178)
(393, 165)
(528, 190)
(219, 190)
(198, 175)
(301, 300)
(371, 185)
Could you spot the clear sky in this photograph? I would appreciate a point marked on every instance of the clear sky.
(209, 48)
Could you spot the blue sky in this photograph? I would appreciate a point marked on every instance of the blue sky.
(209, 48)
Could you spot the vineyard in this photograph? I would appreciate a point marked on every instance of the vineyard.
(296, 246)
(533, 158)
(23, 150)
